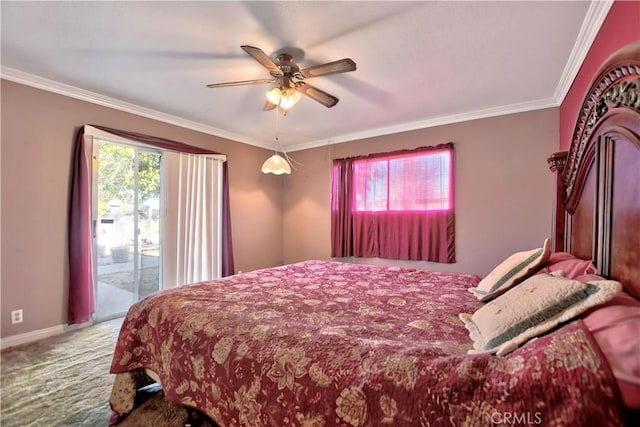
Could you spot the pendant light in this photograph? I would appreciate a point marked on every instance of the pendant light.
(276, 164)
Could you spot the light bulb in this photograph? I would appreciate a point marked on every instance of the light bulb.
(289, 98)
(274, 96)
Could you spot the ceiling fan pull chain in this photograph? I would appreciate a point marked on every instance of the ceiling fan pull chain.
(277, 130)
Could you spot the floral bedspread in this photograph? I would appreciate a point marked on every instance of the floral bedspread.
(324, 343)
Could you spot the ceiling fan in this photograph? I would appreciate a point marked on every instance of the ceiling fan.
(289, 79)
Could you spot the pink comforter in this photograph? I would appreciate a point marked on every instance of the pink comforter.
(324, 343)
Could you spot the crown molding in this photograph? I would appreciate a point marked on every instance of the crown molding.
(432, 122)
(37, 82)
(94, 98)
(596, 14)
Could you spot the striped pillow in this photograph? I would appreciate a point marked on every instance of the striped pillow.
(511, 271)
(532, 308)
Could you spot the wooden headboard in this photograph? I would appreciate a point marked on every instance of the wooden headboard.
(597, 213)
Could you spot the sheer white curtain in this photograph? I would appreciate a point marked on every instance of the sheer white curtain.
(193, 220)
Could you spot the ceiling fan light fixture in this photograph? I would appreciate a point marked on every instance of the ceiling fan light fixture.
(276, 165)
(290, 97)
(274, 95)
(284, 98)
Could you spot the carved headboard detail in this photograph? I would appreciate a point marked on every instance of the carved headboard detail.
(614, 91)
(598, 184)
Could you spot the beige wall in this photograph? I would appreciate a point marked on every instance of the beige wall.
(504, 193)
(38, 130)
(504, 189)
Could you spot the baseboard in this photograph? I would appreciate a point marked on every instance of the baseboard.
(40, 334)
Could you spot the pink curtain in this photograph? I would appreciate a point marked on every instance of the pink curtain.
(395, 205)
(81, 301)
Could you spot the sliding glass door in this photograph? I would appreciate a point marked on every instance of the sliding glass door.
(126, 212)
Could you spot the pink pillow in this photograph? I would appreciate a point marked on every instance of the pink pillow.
(561, 256)
(615, 327)
(571, 266)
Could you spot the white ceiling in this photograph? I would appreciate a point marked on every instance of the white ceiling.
(419, 63)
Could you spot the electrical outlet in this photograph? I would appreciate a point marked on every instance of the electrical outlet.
(16, 316)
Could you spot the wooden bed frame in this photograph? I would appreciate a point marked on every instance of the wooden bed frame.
(597, 212)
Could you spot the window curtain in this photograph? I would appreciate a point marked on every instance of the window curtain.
(402, 234)
(193, 224)
(81, 301)
(81, 296)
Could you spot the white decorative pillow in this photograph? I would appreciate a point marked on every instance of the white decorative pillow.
(532, 308)
(511, 271)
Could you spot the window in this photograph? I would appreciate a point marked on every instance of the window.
(395, 205)
(409, 182)
(127, 228)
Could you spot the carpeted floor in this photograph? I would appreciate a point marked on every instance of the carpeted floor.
(65, 381)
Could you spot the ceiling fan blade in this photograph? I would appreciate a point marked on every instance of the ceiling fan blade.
(340, 66)
(269, 106)
(263, 59)
(317, 95)
(242, 82)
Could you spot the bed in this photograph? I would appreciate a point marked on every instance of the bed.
(322, 343)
